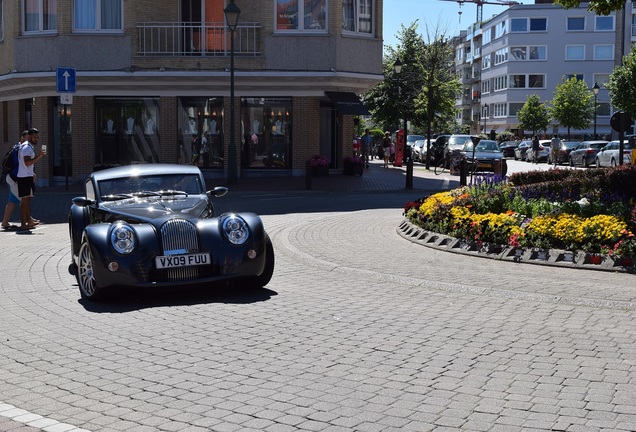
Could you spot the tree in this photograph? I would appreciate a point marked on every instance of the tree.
(436, 102)
(394, 97)
(622, 85)
(573, 104)
(533, 115)
(601, 7)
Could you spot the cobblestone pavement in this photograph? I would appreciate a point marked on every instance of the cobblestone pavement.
(359, 330)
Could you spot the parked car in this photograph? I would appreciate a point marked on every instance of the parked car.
(585, 153)
(419, 150)
(483, 158)
(544, 151)
(609, 155)
(457, 142)
(508, 148)
(522, 149)
(563, 153)
(153, 225)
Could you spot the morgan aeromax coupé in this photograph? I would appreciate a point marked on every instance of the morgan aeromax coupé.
(153, 225)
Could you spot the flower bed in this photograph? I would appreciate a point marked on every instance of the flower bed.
(590, 211)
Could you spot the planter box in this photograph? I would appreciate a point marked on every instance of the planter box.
(319, 171)
(353, 169)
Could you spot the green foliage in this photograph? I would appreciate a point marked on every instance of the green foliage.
(601, 7)
(573, 104)
(533, 115)
(506, 136)
(622, 84)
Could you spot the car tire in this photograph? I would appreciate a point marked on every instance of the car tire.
(85, 277)
(613, 162)
(598, 163)
(263, 279)
(571, 161)
(586, 164)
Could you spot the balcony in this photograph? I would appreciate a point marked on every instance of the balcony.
(160, 39)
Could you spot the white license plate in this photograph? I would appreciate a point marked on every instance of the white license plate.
(176, 261)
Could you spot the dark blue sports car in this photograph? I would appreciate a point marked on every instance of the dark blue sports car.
(153, 225)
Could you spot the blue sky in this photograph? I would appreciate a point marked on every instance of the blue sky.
(433, 13)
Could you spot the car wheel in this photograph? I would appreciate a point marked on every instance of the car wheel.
(598, 163)
(586, 164)
(263, 279)
(84, 275)
(571, 161)
(612, 162)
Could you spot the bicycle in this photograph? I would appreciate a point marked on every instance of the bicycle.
(450, 160)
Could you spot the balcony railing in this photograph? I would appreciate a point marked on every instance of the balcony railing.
(162, 39)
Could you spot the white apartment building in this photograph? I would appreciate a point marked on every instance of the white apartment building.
(528, 49)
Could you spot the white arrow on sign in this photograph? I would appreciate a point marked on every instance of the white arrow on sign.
(66, 76)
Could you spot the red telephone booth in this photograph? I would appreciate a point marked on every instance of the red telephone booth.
(400, 140)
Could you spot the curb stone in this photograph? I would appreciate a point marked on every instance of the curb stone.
(549, 257)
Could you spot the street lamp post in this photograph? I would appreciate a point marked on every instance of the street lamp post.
(485, 116)
(232, 13)
(407, 161)
(595, 90)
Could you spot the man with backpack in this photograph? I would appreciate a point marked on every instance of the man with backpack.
(10, 166)
(26, 177)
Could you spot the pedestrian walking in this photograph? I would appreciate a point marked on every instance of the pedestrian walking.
(26, 177)
(367, 143)
(11, 179)
(386, 148)
(555, 148)
(535, 149)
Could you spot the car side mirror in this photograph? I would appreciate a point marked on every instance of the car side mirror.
(82, 201)
(217, 192)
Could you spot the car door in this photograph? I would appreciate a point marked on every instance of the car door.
(604, 155)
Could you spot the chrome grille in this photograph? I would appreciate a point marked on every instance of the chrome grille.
(179, 236)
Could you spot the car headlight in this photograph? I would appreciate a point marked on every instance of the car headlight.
(123, 239)
(235, 229)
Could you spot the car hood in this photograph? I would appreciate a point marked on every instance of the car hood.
(147, 209)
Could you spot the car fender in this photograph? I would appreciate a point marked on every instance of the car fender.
(78, 219)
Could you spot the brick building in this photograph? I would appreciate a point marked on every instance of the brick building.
(151, 75)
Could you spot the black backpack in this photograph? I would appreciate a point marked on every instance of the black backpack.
(10, 162)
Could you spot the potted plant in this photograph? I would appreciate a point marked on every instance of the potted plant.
(319, 166)
(624, 250)
(353, 165)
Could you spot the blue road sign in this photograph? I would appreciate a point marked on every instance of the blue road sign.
(65, 80)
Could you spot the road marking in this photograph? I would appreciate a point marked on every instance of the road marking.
(35, 420)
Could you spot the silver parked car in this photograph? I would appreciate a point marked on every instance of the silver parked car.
(609, 155)
(585, 153)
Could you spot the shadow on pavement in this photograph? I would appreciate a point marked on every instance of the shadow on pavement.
(120, 300)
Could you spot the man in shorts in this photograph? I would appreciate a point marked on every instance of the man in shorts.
(13, 192)
(26, 180)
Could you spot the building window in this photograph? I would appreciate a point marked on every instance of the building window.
(603, 52)
(603, 109)
(579, 77)
(267, 138)
(200, 118)
(499, 110)
(126, 130)
(485, 62)
(633, 25)
(314, 15)
(575, 52)
(486, 36)
(485, 86)
(538, 52)
(604, 23)
(536, 81)
(528, 24)
(40, 16)
(500, 83)
(529, 53)
(518, 53)
(519, 25)
(601, 79)
(357, 16)
(517, 81)
(1, 20)
(97, 15)
(501, 29)
(514, 107)
(501, 56)
(575, 24)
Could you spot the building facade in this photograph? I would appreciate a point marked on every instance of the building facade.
(529, 49)
(151, 76)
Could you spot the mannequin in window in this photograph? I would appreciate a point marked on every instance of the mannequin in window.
(109, 126)
(131, 124)
(256, 126)
(150, 127)
(193, 126)
(213, 129)
(279, 127)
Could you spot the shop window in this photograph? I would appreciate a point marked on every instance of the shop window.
(127, 130)
(200, 132)
(267, 136)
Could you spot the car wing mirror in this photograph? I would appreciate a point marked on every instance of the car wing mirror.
(82, 201)
(217, 192)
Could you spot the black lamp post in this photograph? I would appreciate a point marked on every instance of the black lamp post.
(595, 90)
(406, 160)
(485, 117)
(232, 13)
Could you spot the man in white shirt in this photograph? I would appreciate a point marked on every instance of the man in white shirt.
(26, 182)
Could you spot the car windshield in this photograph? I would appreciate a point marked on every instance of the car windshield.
(571, 144)
(482, 146)
(458, 140)
(413, 138)
(168, 184)
(597, 145)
